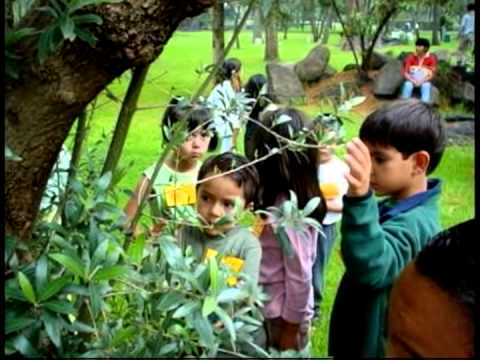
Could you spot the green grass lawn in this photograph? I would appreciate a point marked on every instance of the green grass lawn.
(174, 73)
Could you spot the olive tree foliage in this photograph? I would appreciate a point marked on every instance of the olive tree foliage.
(59, 55)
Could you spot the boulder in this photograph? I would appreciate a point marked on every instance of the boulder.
(377, 61)
(312, 67)
(283, 84)
(328, 73)
(389, 79)
(460, 132)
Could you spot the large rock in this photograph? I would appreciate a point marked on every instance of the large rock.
(283, 84)
(312, 67)
(377, 61)
(460, 132)
(389, 79)
(328, 73)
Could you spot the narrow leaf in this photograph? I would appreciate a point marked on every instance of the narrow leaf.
(72, 264)
(185, 309)
(53, 287)
(41, 272)
(24, 347)
(60, 306)
(111, 272)
(209, 305)
(17, 323)
(68, 26)
(227, 321)
(26, 287)
(53, 327)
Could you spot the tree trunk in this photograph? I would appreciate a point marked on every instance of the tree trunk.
(271, 36)
(218, 30)
(310, 9)
(127, 111)
(257, 25)
(325, 34)
(436, 24)
(237, 19)
(44, 102)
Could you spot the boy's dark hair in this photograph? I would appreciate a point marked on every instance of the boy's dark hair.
(288, 169)
(471, 7)
(408, 126)
(197, 115)
(247, 177)
(423, 42)
(229, 66)
(254, 85)
(456, 247)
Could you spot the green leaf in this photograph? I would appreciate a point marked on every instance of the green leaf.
(24, 347)
(284, 241)
(229, 295)
(95, 299)
(311, 205)
(168, 348)
(41, 273)
(53, 287)
(213, 268)
(204, 330)
(10, 155)
(86, 36)
(123, 335)
(17, 323)
(80, 327)
(74, 265)
(87, 19)
(209, 305)
(26, 287)
(104, 182)
(100, 252)
(185, 309)
(53, 327)
(227, 321)
(60, 306)
(135, 250)
(68, 28)
(43, 46)
(111, 272)
(12, 37)
(169, 301)
(171, 252)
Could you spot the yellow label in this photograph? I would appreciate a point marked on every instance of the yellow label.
(257, 226)
(233, 263)
(176, 195)
(329, 190)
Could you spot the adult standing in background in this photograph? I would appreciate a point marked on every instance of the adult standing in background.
(466, 34)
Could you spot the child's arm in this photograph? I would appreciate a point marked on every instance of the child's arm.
(374, 254)
(298, 282)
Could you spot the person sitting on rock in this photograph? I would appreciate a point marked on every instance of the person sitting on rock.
(418, 69)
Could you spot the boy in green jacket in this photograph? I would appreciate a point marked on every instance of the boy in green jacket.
(400, 145)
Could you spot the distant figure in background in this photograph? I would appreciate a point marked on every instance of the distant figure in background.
(418, 69)
(255, 88)
(432, 304)
(466, 33)
(226, 116)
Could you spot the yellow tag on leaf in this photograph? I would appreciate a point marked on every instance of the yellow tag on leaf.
(257, 226)
(176, 195)
(329, 190)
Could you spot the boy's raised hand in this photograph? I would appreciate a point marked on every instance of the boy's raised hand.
(360, 164)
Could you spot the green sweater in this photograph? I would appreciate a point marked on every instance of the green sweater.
(377, 243)
(238, 242)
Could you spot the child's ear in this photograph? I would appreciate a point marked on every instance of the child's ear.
(421, 161)
(249, 206)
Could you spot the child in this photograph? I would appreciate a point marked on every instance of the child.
(433, 305)
(173, 193)
(216, 198)
(400, 145)
(287, 279)
(333, 185)
(227, 119)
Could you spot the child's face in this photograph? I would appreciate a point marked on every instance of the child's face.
(392, 174)
(216, 198)
(195, 146)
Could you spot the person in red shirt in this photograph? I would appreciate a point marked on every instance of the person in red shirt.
(418, 70)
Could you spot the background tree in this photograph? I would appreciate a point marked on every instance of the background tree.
(218, 30)
(42, 104)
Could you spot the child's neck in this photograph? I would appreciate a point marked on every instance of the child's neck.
(418, 185)
(181, 165)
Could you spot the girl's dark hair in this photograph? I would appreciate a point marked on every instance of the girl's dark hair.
(197, 116)
(288, 169)
(229, 66)
(408, 126)
(451, 259)
(246, 177)
(254, 85)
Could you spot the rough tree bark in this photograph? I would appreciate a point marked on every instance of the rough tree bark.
(271, 35)
(43, 104)
(218, 30)
(258, 25)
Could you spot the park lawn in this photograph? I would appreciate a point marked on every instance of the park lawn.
(174, 73)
